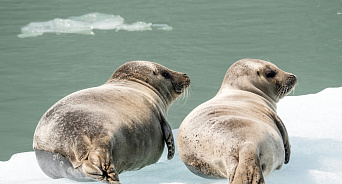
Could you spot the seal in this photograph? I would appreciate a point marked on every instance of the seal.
(99, 132)
(237, 134)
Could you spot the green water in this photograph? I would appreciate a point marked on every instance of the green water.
(302, 37)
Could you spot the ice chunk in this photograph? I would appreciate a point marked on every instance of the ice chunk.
(85, 24)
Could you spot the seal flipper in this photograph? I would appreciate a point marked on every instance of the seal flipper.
(99, 166)
(284, 135)
(57, 166)
(168, 137)
(248, 168)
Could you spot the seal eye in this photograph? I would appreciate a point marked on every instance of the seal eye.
(166, 75)
(270, 74)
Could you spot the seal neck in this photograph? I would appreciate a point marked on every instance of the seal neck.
(152, 91)
(267, 99)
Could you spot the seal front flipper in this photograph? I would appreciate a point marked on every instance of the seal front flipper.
(284, 135)
(168, 137)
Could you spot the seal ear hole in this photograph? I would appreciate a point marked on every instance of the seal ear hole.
(154, 73)
(166, 74)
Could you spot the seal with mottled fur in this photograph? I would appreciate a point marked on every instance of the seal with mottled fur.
(99, 132)
(237, 134)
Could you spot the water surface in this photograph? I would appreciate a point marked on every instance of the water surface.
(301, 37)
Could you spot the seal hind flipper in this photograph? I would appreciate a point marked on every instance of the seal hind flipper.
(168, 138)
(100, 167)
(57, 166)
(248, 169)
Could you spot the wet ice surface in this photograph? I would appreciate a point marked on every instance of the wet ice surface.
(85, 24)
(314, 126)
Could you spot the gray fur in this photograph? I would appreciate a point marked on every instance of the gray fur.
(105, 130)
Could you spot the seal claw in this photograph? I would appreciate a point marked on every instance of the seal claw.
(99, 167)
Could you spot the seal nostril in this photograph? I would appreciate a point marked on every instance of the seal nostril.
(291, 80)
(292, 76)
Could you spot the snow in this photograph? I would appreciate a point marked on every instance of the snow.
(314, 126)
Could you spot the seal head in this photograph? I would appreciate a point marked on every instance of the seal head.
(260, 77)
(156, 76)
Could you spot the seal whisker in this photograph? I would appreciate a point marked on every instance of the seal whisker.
(293, 90)
(181, 98)
(268, 60)
(184, 96)
(279, 92)
(187, 94)
(283, 91)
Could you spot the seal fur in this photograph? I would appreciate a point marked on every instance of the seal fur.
(99, 132)
(237, 134)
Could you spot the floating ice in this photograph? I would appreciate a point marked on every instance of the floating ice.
(85, 24)
(314, 126)
(162, 27)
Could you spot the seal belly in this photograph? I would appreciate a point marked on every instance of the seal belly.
(204, 169)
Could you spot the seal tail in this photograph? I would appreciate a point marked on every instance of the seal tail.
(247, 169)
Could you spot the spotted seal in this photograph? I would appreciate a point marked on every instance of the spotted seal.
(99, 132)
(237, 134)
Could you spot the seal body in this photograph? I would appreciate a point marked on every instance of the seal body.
(237, 134)
(97, 133)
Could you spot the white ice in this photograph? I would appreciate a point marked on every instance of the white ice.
(85, 24)
(314, 126)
